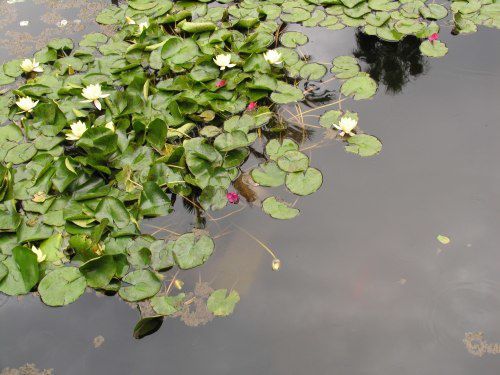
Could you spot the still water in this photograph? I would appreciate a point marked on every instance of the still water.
(364, 288)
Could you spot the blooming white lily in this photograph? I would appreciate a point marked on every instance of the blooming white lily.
(40, 256)
(93, 93)
(26, 104)
(224, 61)
(77, 130)
(29, 66)
(142, 26)
(346, 126)
(110, 126)
(273, 57)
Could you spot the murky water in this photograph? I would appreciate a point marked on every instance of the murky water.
(364, 287)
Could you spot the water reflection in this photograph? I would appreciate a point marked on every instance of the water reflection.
(392, 64)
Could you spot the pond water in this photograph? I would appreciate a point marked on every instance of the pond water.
(364, 286)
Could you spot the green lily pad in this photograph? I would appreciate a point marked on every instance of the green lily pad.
(268, 174)
(167, 305)
(62, 286)
(305, 182)
(293, 39)
(286, 93)
(22, 273)
(190, 252)
(293, 161)
(275, 149)
(363, 145)
(433, 49)
(221, 304)
(143, 284)
(279, 210)
(360, 87)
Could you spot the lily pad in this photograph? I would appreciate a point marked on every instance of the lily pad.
(190, 252)
(268, 174)
(143, 284)
(305, 182)
(360, 87)
(221, 304)
(167, 305)
(293, 161)
(363, 145)
(433, 49)
(62, 286)
(279, 210)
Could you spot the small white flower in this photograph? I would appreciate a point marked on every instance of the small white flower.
(77, 130)
(224, 61)
(26, 104)
(129, 20)
(273, 57)
(110, 126)
(31, 66)
(143, 26)
(346, 126)
(40, 256)
(93, 93)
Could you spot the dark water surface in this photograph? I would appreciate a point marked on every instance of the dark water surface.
(364, 288)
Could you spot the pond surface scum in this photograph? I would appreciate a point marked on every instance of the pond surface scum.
(150, 152)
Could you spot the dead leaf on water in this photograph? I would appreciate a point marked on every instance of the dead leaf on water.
(443, 239)
(98, 341)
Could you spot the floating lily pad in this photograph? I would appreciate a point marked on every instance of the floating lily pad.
(279, 210)
(286, 93)
(142, 284)
(360, 87)
(363, 145)
(62, 286)
(275, 149)
(293, 39)
(268, 174)
(190, 252)
(167, 305)
(293, 161)
(22, 273)
(221, 304)
(304, 183)
(433, 49)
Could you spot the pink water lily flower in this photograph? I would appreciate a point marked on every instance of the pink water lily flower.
(251, 106)
(233, 198)
(433, 37)
(220, 83)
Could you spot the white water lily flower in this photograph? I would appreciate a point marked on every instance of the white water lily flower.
(273, 57)
(26, 104)
(29, 66)
(142, 26)
(110, 126)
(346, 126)
(40, 256)
(77, 130)
(93, 93)
(224, 61)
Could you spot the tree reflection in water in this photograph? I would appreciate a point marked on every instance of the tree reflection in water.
(393, 64)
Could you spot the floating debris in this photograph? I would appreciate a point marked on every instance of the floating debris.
(98, 341)
(443, 239)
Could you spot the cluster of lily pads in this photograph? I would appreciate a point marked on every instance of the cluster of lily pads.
(100, 136)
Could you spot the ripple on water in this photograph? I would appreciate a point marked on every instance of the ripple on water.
(464, 307)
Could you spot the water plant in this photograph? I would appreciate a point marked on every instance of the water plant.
(100, 136)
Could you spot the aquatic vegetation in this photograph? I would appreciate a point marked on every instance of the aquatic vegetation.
(112, 131)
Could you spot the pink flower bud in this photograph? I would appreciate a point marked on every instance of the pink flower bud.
(220, 83)
(233, 198)
(252, 106)
(433, 37)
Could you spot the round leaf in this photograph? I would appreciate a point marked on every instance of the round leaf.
(62, 286)
(304, 183)
(278, 210)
